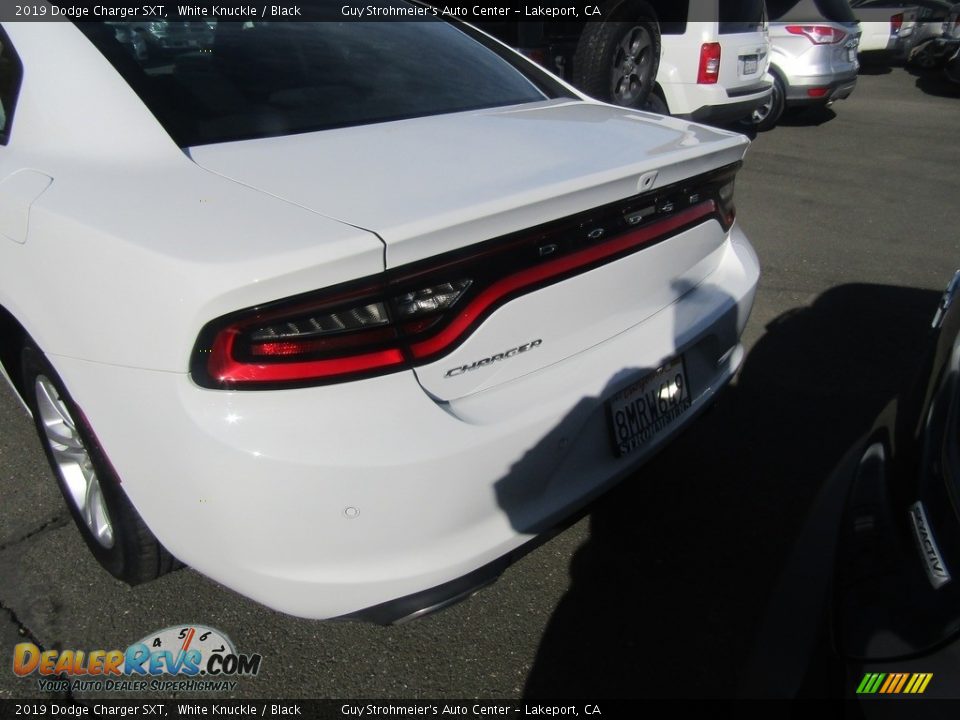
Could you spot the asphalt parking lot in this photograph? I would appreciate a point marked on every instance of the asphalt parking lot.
(853, 213)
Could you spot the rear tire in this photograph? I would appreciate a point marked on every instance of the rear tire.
(656, 104)
(108, 522)
(617, 61)
(925, 61)
(767, 115)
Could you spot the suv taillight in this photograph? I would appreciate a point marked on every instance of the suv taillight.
(896, 22)
(709, 70)
(818, 34)
(420, 312)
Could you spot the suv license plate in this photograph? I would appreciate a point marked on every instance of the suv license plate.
(643, 410)
(749, 64)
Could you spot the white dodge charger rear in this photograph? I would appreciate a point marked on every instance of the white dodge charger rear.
(344, 315)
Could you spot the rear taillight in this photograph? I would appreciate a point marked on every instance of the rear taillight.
(896, 22)
(818, 34)
(709, 70)
(417, 313)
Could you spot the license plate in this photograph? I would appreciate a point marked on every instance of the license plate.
(851, 54)
(749, 64)
(643, 410)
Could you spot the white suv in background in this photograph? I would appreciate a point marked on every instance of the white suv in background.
(713, 61)
(704, 60)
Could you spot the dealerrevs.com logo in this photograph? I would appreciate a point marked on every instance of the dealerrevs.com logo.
(199, 658)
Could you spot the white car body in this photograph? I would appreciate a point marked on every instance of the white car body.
(327, 500)
(744, 59)
(878, 31)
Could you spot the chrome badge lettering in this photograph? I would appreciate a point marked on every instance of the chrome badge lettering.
(506, 355)
(937, 572)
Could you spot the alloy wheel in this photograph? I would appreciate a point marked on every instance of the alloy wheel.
(73, 461)
(632, 62)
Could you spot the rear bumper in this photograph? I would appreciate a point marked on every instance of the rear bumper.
(836, 87)
(727, 108)
(370, 499)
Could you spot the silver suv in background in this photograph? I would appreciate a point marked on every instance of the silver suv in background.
(813, 56)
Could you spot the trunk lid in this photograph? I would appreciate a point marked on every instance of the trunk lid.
(434, 185)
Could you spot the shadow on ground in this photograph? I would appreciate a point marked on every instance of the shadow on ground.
(681, 559)
(937, 85)
(806, 117)
(875, 66)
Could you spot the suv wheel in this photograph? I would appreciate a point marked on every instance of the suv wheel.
(656, 104)
(617, 62)
(766, 116)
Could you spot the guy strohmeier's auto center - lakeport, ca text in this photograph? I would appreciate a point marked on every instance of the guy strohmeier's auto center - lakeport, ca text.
(473, 12)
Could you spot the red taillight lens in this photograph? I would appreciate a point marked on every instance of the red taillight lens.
(818, 34)
(342, 334)
(709, 70)
(226, 367)
(420, 312)
(896, 22)
(817, 92)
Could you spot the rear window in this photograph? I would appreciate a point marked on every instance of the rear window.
(10, 75)
(810, 11)
(740, 16)
(209, 82)
(673, 16)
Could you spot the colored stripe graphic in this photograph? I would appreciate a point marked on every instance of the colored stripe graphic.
(894, 683)
(903, 680)
(891, 680)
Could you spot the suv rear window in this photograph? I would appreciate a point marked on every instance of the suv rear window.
(740, 16)
(209, 82)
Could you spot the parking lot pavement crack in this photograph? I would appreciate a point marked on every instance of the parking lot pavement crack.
(28, 635)
(22, 629)
(52, 524)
